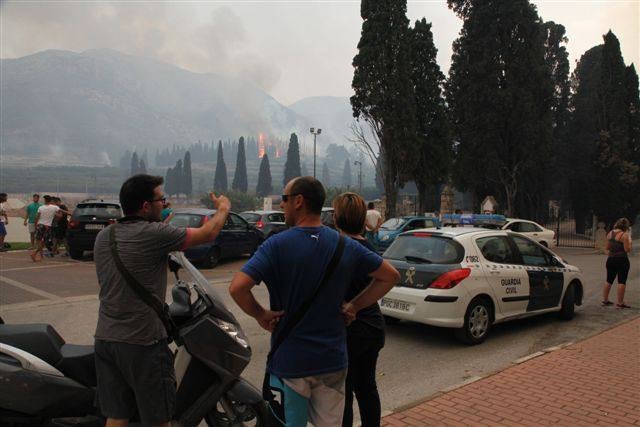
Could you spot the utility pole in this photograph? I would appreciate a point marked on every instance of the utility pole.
(315, 132)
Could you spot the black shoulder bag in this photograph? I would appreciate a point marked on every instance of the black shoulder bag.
(277, 408)
(160, 307)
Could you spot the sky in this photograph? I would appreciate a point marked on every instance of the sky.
(291, 49)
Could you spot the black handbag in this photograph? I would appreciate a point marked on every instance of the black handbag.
(160, 307)
(276, 407)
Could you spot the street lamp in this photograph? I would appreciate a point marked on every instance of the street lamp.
(315, 132)
(359, 164)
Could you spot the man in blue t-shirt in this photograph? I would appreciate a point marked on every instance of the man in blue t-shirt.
(310, 365)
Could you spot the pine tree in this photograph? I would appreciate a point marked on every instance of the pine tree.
(326, 175)
(383, 93)
(431, 162)
(187, 180)
(346, 174)
(240, 176)
(135, 164)
(220, 180)
(292, 164)
(264, 188)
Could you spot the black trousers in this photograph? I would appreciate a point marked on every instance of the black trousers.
(364, 342)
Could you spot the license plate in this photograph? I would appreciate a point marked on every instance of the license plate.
(94, 226)
(395, 304)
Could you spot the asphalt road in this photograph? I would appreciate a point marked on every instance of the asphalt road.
(416, 362)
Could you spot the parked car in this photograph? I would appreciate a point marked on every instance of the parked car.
(533, 230)
(392, 227)
(236, 238)
(469, 278)
(327, 217)
(268, 222)
(87, 219)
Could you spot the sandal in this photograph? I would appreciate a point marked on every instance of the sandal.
(604, 303)
(623, 305)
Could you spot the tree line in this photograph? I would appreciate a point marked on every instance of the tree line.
(508, 121)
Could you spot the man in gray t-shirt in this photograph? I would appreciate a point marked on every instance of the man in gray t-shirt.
(134, 366)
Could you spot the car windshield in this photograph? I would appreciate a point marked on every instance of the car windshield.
(250, 217)
(425, 248)
(184, 220)
(393, 224)
(98, 210)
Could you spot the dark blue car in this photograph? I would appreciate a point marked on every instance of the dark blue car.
(236, 238)
(391, 228)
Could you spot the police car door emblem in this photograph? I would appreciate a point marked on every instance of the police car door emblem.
(409, 275)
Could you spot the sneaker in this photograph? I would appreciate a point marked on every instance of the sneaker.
(623, 305)
(605, 303)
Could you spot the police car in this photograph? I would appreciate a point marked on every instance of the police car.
(469, 278)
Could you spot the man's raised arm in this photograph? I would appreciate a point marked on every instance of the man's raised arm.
(210, 229)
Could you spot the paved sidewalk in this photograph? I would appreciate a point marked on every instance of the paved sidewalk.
(595, 381)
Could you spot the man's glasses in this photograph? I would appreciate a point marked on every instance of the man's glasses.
(285, 197)
(162, 199)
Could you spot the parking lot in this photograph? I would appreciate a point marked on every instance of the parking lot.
(416, 362)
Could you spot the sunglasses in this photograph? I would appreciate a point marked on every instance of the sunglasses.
(162, 199)
(285, 197)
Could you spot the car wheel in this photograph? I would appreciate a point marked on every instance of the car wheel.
(213, 257)
(568, 306)
(477, 322)
(75, 253)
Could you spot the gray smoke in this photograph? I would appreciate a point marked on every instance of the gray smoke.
(174, 33)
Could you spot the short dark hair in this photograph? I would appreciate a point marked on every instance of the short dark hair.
(47, 198)
(313, 192)
(36, 195)
(370, 205)
(137, 190)
(350, 212)
(3, 195)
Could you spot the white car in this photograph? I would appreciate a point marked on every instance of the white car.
(533, 230)
(469, 278)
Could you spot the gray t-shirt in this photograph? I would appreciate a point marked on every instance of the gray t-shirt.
(143, 248)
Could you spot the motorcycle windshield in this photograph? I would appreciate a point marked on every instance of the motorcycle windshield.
(190, 274)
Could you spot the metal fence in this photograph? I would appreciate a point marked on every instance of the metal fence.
(576, 234)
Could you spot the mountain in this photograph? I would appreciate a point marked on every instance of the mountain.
(331, 114)
(88, 107)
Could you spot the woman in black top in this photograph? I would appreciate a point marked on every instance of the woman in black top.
(365, 335)
(618, 246)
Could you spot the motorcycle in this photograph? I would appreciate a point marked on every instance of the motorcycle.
(46, 382)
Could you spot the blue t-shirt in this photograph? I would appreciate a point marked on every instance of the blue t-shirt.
(291, 264)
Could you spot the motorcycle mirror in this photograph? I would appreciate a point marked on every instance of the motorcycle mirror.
(174, 266)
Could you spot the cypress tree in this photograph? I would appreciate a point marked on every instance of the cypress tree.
(326, 175)
(187, 179)
(169, 182)
(240, 175)
(500, 94)
(430, 164)
(292, 164)
(178, 178)
(346, 174)
(383, 94)
(220, 180)
(264, 178)
(135, 164)
(142, 167)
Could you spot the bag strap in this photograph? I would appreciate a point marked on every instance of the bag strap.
(295, 319)
(160, 307)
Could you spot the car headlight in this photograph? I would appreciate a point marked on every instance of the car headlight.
(232, 331)
(385, 238)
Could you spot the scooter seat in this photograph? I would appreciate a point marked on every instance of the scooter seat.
(39, 339)
(78, 363)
